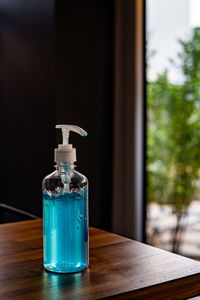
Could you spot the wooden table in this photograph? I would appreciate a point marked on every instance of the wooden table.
(119, 268)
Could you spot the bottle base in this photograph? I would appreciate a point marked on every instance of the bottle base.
(63, 268)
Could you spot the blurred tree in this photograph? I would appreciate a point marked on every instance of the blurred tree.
(173, 142)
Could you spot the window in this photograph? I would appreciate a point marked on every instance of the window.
(173, 125)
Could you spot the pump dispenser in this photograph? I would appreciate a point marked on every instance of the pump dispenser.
(65, 211)
(65, 152)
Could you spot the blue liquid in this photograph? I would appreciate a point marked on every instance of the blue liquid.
(65, 231)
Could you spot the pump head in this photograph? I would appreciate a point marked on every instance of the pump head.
(65, 153)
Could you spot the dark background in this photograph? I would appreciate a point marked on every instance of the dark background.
(56, 66)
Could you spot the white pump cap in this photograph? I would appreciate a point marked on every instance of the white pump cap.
(65, 152)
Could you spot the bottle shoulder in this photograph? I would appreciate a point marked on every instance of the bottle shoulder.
(54, 174)
(57, 174)
(79, 175)
(54, 180)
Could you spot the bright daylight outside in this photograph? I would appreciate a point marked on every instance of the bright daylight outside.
(173, 125)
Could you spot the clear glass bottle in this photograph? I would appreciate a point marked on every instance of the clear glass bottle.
(65, 220)
(65, 211)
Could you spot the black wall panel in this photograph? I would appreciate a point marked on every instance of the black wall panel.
(56, 66)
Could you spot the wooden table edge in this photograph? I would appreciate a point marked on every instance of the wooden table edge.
(165, 291)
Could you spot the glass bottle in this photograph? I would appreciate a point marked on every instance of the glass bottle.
(65, 211)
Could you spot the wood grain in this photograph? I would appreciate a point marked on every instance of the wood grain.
(119, 268)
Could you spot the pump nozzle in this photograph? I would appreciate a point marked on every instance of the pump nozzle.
(65, 152)
(67, 128)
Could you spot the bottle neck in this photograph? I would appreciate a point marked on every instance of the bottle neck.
(65, 167)
(66, 171)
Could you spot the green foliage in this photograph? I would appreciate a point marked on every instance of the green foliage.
(173, 142)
